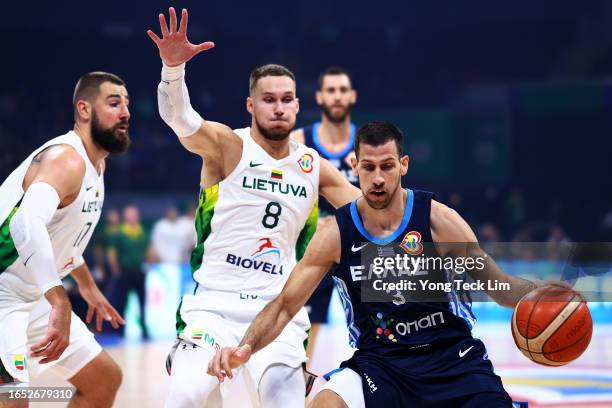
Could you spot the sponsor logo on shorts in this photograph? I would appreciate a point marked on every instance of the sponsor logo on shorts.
(203, 338)
(412, 243)
(306, 162)
(370, 383)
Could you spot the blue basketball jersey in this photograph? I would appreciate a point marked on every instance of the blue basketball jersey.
(401, 323)
(340, 160)
(409, 353)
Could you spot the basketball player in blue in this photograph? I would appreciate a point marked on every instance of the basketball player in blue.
(426, 355)
(334, 138)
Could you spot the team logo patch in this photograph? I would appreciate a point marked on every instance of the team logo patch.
(383, 327)
(19, 362)
(306, 162)
(412, 243)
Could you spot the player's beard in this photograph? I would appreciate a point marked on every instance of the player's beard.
(339, 117)
(381, 205)
(109, 139)
(273, 134)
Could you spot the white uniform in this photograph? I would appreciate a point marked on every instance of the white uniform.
(24, 312)
(252, 227)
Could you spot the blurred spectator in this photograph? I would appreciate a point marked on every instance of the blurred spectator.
(172, 238)
(128, 254)
(515, 212)
(489, 238)
(187, 222)
(558, 244)
(102, 240)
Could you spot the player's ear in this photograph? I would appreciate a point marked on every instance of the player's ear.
(319, 97)
(353, 96)
(297, 105)
(83, 109)
(404, 161)
(354, 161)
(249, 104)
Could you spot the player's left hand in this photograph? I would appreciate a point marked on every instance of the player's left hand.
(99, 305)
(226, 359)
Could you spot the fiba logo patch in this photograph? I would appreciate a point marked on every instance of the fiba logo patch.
(412, 243)
(383, 327)
(306, 163)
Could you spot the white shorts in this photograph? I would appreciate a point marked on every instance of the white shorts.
(215, 329)
(23, 324)
(347, 384)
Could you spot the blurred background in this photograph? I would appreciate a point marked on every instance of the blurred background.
(506, 107)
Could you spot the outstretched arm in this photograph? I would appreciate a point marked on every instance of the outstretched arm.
(335, 187)
(199, 136)
(322, 252)
(453, 237)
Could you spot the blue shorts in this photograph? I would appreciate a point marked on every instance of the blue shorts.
(458, 375)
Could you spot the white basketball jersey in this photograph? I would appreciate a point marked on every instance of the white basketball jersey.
(70, 227)
(254, 224)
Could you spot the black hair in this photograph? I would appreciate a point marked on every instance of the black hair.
(376, 133)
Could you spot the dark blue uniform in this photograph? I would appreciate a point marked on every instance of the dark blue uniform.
(411, 354)
(318, 304)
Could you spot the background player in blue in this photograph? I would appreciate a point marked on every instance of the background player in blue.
(431, 360)
(334, 138)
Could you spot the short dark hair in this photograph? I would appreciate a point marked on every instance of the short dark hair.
(88, 86)
(268, 70)
(376, 133)
(334, 70)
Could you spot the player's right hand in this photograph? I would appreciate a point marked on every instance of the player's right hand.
(58, 334)
(174, 47)
(227, 359)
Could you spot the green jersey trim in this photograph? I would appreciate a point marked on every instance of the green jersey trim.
(206, 209)
(8, 252)
(307, 232)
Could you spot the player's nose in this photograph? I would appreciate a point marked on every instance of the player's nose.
(125, 113)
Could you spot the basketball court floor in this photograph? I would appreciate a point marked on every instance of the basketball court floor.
(587, 382)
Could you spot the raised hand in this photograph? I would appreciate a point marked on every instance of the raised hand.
(174, 47)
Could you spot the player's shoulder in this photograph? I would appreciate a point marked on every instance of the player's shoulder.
(62, 156)
(448, 225)
(442, 213)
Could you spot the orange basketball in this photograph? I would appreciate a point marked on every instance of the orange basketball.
(552, 325)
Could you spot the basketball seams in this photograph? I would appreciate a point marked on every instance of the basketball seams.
(554, 325)
(529, 320)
